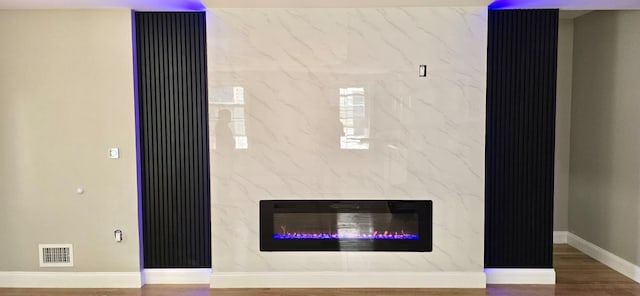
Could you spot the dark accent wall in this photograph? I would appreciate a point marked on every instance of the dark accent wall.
(173, 134)
(521, 102)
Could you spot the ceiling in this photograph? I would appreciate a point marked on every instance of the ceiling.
(164, 5)
(201, 4)
(190, 5)
(571, 14)
(343, 3)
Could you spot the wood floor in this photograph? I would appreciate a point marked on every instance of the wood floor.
(576, 274)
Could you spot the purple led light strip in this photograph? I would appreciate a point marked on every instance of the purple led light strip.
(380, 236)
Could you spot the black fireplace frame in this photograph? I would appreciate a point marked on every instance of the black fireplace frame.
(423, 208)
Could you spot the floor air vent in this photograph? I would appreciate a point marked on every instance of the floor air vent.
(58, 255)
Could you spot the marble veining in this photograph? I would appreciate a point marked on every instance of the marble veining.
(326, 103)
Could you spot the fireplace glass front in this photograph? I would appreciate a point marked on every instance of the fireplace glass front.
(345, 225)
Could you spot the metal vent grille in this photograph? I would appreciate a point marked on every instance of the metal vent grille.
(58, 255)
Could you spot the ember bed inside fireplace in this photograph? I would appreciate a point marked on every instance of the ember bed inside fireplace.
(345, 225)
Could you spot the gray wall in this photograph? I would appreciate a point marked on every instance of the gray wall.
(563, 125)
(605, 117)
(66, 96)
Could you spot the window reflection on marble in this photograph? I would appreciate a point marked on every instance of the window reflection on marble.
(354, 118)
(230, 98)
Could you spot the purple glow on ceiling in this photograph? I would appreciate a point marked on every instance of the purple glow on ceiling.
(169, 5)
(337, 236)
(499, 4)
(194, 5)
(565, 4)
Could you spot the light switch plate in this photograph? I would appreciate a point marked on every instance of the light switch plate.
(423, 71)
(114, 153)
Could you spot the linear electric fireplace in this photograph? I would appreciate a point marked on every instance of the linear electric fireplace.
(345, 225)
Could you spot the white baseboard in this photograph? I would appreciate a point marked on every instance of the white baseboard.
(348, 280)
(607, 258)
(560, 237)
(21, 279)
(532, 276)
(177, 276)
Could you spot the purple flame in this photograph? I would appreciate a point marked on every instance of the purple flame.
(377, 236)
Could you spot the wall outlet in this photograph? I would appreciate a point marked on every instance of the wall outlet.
(114, 153)
(422, 72)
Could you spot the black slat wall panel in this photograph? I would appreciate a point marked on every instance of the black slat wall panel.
(521, 102)
(174, 146)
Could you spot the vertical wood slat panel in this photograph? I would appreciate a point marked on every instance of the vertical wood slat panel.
(173, 131)
(521, 100)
